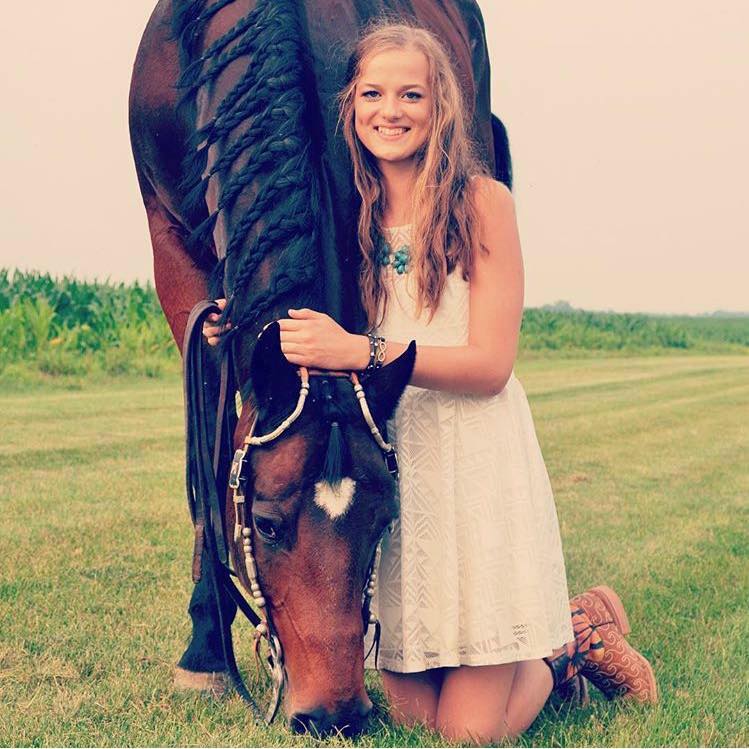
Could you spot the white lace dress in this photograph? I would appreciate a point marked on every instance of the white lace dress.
(473, 572)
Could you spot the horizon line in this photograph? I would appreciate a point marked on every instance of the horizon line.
(558, 305)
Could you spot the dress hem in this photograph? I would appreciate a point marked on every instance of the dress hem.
(453, 660)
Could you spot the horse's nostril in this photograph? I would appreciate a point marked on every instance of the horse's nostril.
(313, 722)
(320, 722)
(365, 708)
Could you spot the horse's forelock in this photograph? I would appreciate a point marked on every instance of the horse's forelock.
(329, 425)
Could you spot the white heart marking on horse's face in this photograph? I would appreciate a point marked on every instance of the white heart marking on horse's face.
(335, 500)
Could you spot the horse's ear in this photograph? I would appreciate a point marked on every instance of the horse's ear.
(385, 386)
(274, 379)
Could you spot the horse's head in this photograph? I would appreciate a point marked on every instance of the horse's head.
(318, 498)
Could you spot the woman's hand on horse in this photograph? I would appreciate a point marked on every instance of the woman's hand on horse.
(314, 339)
(213, 333)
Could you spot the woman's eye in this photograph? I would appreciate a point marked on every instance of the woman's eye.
(267, 528)
(370, 94)
(412, 95)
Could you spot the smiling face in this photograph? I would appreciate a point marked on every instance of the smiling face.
(393, 104)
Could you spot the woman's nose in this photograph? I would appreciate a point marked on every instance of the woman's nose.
(391, 108)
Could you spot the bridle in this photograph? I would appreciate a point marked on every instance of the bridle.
(243, 532)
(204, 500)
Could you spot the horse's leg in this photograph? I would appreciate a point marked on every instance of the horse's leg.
(202, 665)
(180, 284)
(181, 281)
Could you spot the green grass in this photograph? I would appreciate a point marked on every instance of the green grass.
(572, 332)
(648, 458)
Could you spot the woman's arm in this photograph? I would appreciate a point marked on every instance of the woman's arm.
(481, 367)
(484, 365)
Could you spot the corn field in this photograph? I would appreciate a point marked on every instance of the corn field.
(68, 327)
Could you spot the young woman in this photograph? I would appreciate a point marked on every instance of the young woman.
(472, 592)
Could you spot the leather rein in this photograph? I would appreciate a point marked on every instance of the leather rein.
(210, 473)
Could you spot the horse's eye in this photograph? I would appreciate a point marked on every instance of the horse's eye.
(267, 528)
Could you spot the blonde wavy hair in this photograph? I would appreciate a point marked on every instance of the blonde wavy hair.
(444, 216)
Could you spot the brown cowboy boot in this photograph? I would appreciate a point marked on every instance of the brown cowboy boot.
(567, 664)
(600, 653)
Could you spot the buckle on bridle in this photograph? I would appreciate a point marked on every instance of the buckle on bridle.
(391, 462)
(235, 474)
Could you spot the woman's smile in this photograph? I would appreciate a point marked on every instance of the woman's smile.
(391, 133)
(393, 105)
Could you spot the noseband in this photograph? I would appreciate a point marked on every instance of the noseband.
(205, 491)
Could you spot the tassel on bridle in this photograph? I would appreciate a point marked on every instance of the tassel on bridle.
(375, 642)
(333, 467)
(332, 470)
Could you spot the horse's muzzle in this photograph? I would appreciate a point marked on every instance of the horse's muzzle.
(349, 720)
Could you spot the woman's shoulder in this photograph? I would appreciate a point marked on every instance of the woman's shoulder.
(495, 211)
(490, 195)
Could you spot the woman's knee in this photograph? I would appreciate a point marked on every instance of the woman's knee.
(473, 703)
(476, 730)
(409, 714)
(412, 698)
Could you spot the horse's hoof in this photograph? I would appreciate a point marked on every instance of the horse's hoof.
(211, 683)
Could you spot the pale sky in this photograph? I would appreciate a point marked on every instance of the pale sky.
(627, 123)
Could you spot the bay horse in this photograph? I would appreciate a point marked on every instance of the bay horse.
(249, 195)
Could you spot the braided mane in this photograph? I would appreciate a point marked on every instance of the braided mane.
(270, 102)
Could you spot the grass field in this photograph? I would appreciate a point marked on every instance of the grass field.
(648, 458)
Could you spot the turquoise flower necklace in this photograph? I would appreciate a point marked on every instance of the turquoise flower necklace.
(399, 259)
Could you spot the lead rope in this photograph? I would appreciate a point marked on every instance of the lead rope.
(203, 488)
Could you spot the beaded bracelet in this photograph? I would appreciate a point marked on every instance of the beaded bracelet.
(377, 350)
